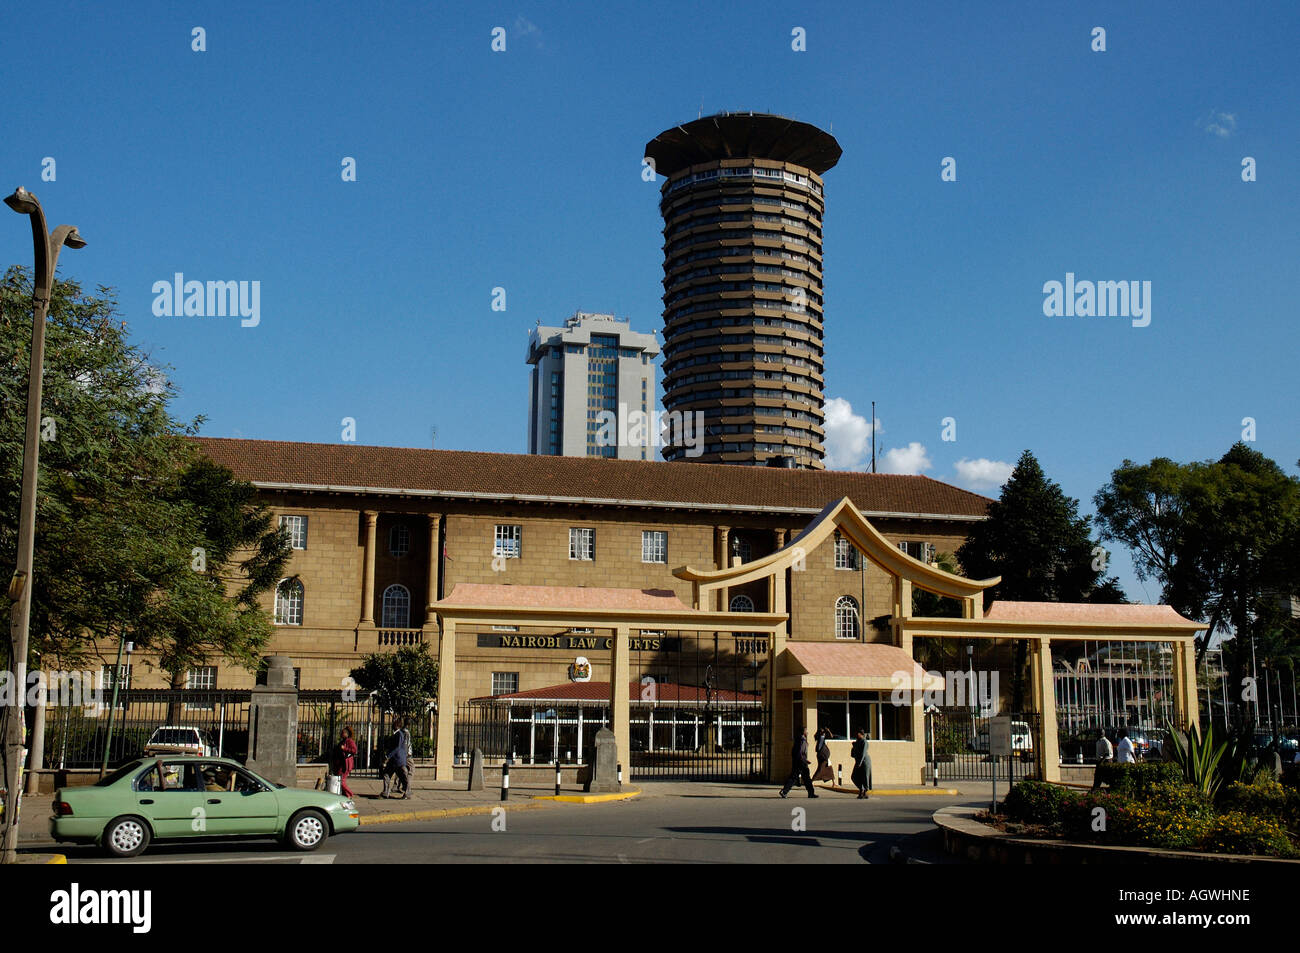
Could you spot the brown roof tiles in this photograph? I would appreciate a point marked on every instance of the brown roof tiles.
(477, 475)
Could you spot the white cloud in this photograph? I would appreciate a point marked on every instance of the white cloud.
(1219, 123)
(911, 459)
(525, 27)
(848, 436)
(983, 474)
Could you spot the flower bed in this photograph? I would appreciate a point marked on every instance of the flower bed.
(1149, 805)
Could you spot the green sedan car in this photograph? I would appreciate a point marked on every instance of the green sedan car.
(175, 797)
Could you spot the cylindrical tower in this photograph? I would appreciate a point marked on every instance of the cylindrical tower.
(742, 209)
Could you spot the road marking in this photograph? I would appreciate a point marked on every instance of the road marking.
(647, 840)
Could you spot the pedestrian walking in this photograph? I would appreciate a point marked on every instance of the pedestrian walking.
(799, 764)
(824, 772)
(1105, 753)
(861, 775)
(1124, 751)
(345, 754)
(397, 761)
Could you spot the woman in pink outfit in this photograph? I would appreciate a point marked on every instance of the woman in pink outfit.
(345, 755)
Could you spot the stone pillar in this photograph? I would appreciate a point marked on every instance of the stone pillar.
(619, 690)
(1045, 695)
(808, 716)
(435, 565)
(721, 545)
(273, 725)
(779, 538)
(368, 577)
(604, 771)
(446, 753)
(1186, 674)
(476, 770)
(779, 701)
(904, 598)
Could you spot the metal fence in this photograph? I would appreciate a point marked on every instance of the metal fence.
(961, 737)
(717, 742)
(76, 736)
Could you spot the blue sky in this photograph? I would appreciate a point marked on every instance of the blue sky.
(521, 170)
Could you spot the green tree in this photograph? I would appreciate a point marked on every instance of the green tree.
(1036, 541)
(403, 682)
(1222, 538)
(136, 532)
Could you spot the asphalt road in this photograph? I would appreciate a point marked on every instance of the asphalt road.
(710, 826)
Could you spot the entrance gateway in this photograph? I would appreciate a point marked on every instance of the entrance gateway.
(718, 693)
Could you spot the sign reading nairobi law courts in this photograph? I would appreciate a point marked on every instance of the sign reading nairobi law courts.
(503, 640)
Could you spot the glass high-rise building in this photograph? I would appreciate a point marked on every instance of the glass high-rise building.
(592, 392)
(742, 206)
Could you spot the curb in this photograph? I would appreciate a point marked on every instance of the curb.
(587, 798)
(42, 859)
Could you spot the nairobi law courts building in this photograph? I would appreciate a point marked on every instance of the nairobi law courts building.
(701, 611)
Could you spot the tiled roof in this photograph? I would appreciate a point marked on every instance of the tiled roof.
(599, 692)
(461, 473)
(853, 659)
(563, 597)
(1071, 612)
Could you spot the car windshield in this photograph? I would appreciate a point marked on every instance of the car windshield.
(175, 736)
(118, 775)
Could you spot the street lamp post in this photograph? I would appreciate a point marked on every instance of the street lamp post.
(47, 246)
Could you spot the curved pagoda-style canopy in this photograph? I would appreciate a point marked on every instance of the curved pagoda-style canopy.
(845, 518)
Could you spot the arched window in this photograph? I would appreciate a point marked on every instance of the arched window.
(397, 608)
(399, 540)
(288, 602)
(742, 604)
(846, 618)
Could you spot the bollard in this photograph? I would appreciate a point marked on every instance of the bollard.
(840, 782)
(557, 777)
(505, 781)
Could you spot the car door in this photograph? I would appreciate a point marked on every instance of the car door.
(168, 796)
(235, 802)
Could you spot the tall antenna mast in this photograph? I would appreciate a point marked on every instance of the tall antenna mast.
(873, 436)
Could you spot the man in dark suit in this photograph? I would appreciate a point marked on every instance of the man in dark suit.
(799, 765)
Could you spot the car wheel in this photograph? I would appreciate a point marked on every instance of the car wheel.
(126, 836)
(307, 830)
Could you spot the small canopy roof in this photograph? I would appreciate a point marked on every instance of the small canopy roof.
(850, 665)
(1074, 612)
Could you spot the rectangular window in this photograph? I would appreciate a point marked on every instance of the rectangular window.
(297, 526)
(123, 683)
(507, 541)
(846, 556)
(203, 678)
(654, 546)
(505, 683)
(918, 550)
(582, 544)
